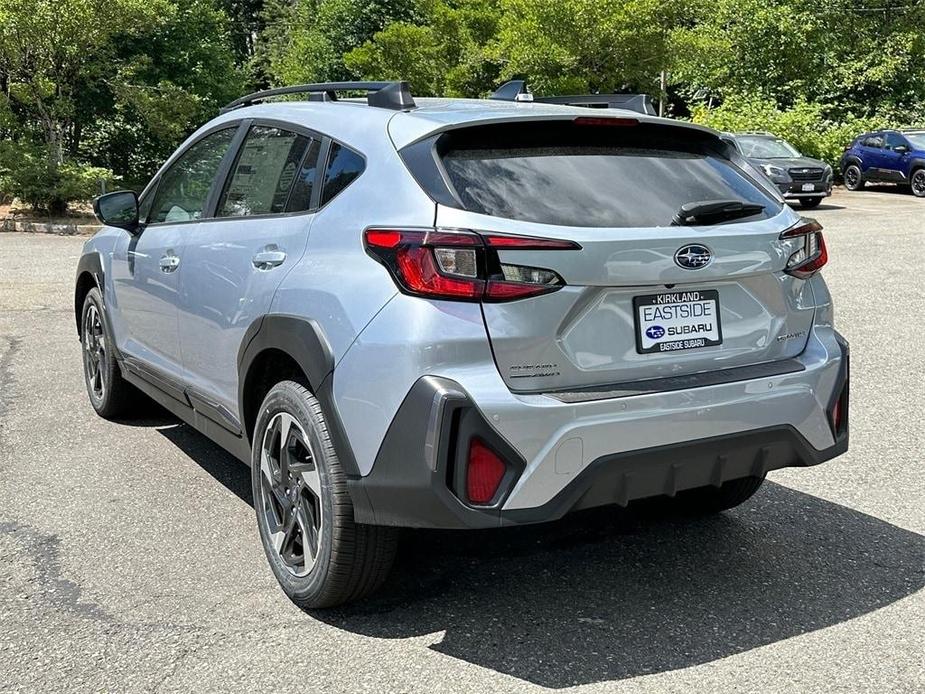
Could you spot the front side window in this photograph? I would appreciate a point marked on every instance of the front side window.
(267, 165)
(344, 165)
(894, 140)
(184, 187)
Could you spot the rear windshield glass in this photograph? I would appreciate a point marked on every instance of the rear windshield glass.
(591, 175)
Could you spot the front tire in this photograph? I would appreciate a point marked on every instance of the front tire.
(111, 395)
(808, 203)
(854, 179)
(318, 554)
(918, 183)
(708, 500)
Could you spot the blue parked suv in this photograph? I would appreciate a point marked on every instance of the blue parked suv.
(887, 156)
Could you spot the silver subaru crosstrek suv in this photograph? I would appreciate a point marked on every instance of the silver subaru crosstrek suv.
(462, 313)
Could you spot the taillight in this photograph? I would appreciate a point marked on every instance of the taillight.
(462, 265)
(484, 472)
(812, 255)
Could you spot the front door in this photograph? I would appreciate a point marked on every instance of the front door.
(234, 263)
(145, 266)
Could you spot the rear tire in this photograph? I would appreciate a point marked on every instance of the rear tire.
(808, 203)
(918, 183)
(707, 500)
(318, 554)
(111, 395)
(854, 179)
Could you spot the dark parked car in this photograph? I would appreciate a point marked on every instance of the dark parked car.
(797, 177)
(887, 156)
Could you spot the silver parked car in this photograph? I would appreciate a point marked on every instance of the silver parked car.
(454, 313)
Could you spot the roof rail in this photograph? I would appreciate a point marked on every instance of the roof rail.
(391, 95)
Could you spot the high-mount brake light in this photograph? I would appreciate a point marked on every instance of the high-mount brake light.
(613, 122)
(463, 265)
(812, 256)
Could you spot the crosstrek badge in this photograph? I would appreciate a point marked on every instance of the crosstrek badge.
(675, 321)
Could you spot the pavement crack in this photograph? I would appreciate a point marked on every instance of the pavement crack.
(57, 591)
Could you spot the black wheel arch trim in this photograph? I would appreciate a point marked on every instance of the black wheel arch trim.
(304, 341)
(89, 264)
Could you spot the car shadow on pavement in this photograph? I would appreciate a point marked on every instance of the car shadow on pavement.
(610, 594)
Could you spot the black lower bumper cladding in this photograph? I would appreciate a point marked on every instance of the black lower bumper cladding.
(410, 487)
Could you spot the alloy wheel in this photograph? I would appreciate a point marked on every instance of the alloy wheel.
(918, 183)
(94, 352)
(290, 491)
(851, 176)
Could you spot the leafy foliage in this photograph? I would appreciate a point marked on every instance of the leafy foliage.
(99, 89)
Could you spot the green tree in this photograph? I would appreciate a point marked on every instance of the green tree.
(573, 46)
(45, 49)
(306, 41)
(444, 54)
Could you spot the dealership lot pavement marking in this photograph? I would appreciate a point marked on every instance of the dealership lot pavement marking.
(130, 560)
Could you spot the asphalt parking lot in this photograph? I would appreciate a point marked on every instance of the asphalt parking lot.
(129, 558)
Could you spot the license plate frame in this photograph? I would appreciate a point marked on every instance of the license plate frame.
(809, 187)
(694, 339)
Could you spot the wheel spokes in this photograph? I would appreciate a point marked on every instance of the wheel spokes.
(291, 494)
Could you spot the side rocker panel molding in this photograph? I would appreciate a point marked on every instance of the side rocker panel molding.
(304, 341)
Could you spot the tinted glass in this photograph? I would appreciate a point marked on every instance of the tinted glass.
(894, 140)
(874, 141)
(344, 165)
(591, 176)
(263, 173)
(301, 196)
(184, 187)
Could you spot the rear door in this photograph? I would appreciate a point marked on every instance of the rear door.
(615, 190)
(872, 160)
(234, 262)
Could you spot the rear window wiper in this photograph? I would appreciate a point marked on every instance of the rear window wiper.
(713, 211)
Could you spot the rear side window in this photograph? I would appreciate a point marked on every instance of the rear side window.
(268, 164)
(184, 187)
(875, 141)
(344, 166)
(591, 175)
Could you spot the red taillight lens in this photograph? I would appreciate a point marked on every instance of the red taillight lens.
(462, 265)
(484, 473)
(812, 256)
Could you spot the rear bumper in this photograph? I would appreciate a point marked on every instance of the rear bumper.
(416, 480)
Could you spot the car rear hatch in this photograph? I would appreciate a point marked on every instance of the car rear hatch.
(635, 296)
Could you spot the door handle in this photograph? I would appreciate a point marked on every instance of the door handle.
(169, 262)
(270, 257)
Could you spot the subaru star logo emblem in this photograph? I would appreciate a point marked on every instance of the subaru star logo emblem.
(654, 332)
(693, 256)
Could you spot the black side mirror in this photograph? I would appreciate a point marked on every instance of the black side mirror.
(900, 149)
(118, 209)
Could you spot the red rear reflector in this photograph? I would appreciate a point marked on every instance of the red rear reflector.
(836, 415)
(483, 473)
(624, 122)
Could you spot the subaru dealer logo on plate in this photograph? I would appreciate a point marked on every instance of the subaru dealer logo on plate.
(693, 256)
(655, 332)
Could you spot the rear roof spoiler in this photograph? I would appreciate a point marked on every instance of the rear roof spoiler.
(516, 90)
